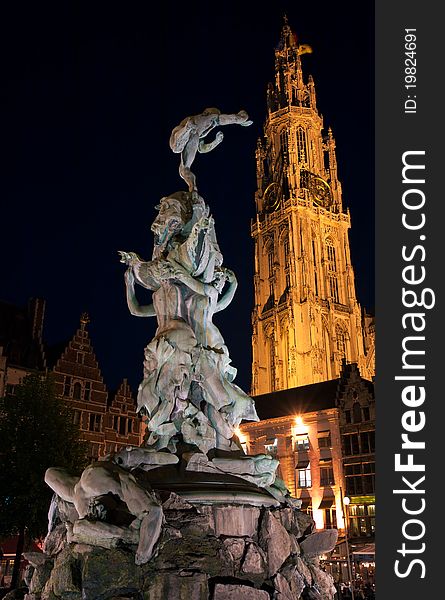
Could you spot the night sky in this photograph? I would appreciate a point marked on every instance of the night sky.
(89, 94)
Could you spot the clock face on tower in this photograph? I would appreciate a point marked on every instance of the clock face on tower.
(271, 198)
(319, 189)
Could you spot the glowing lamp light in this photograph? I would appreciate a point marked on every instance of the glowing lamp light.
(317, 515)
(346, 501)
(239, 434)
(298, 421)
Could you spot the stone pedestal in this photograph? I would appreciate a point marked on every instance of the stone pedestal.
(207, 551)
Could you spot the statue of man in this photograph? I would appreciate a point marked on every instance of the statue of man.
(113, 477)
(188, 138)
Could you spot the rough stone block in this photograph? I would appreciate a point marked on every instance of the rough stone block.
(238, 592)
(294, 545)
(193, 553)
(274, 539)
(175, 502)
(108, 573)
(304, 523)
(282, 588)
(323, 581)
(40, 576)
(254, 562)
(191, 522)
(294, 579)
(304, 571)
(175, 586)
(65, 576)
(234, 551)
(55, 540)
(319, 542)
(236, 521)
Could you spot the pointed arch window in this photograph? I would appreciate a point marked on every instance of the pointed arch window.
(314, 257)
(332, 270)
(270, 261)
(301, 145)
(341, 342)
(332, 258)
(272, 363)
(284, 143)
(286, 248)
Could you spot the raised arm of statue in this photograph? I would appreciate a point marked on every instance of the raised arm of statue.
(135, 308)
(227, 297)
(203, 148)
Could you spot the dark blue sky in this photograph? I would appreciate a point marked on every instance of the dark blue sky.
(90, 92)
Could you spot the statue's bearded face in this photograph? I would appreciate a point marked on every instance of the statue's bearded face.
(169, 221)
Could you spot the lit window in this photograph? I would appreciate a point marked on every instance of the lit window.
(304, 477)
(302, 442)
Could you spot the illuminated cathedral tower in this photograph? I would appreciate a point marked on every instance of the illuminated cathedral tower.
(306, 318)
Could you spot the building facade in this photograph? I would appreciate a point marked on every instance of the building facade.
(313, 345)
(324, 437)
(306, 317)
(106, 421)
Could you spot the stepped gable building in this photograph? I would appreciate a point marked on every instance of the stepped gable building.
(106, 422)
(21, 345)
(123, 427)
(306, 318)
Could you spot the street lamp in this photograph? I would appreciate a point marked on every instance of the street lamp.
(345, 501)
